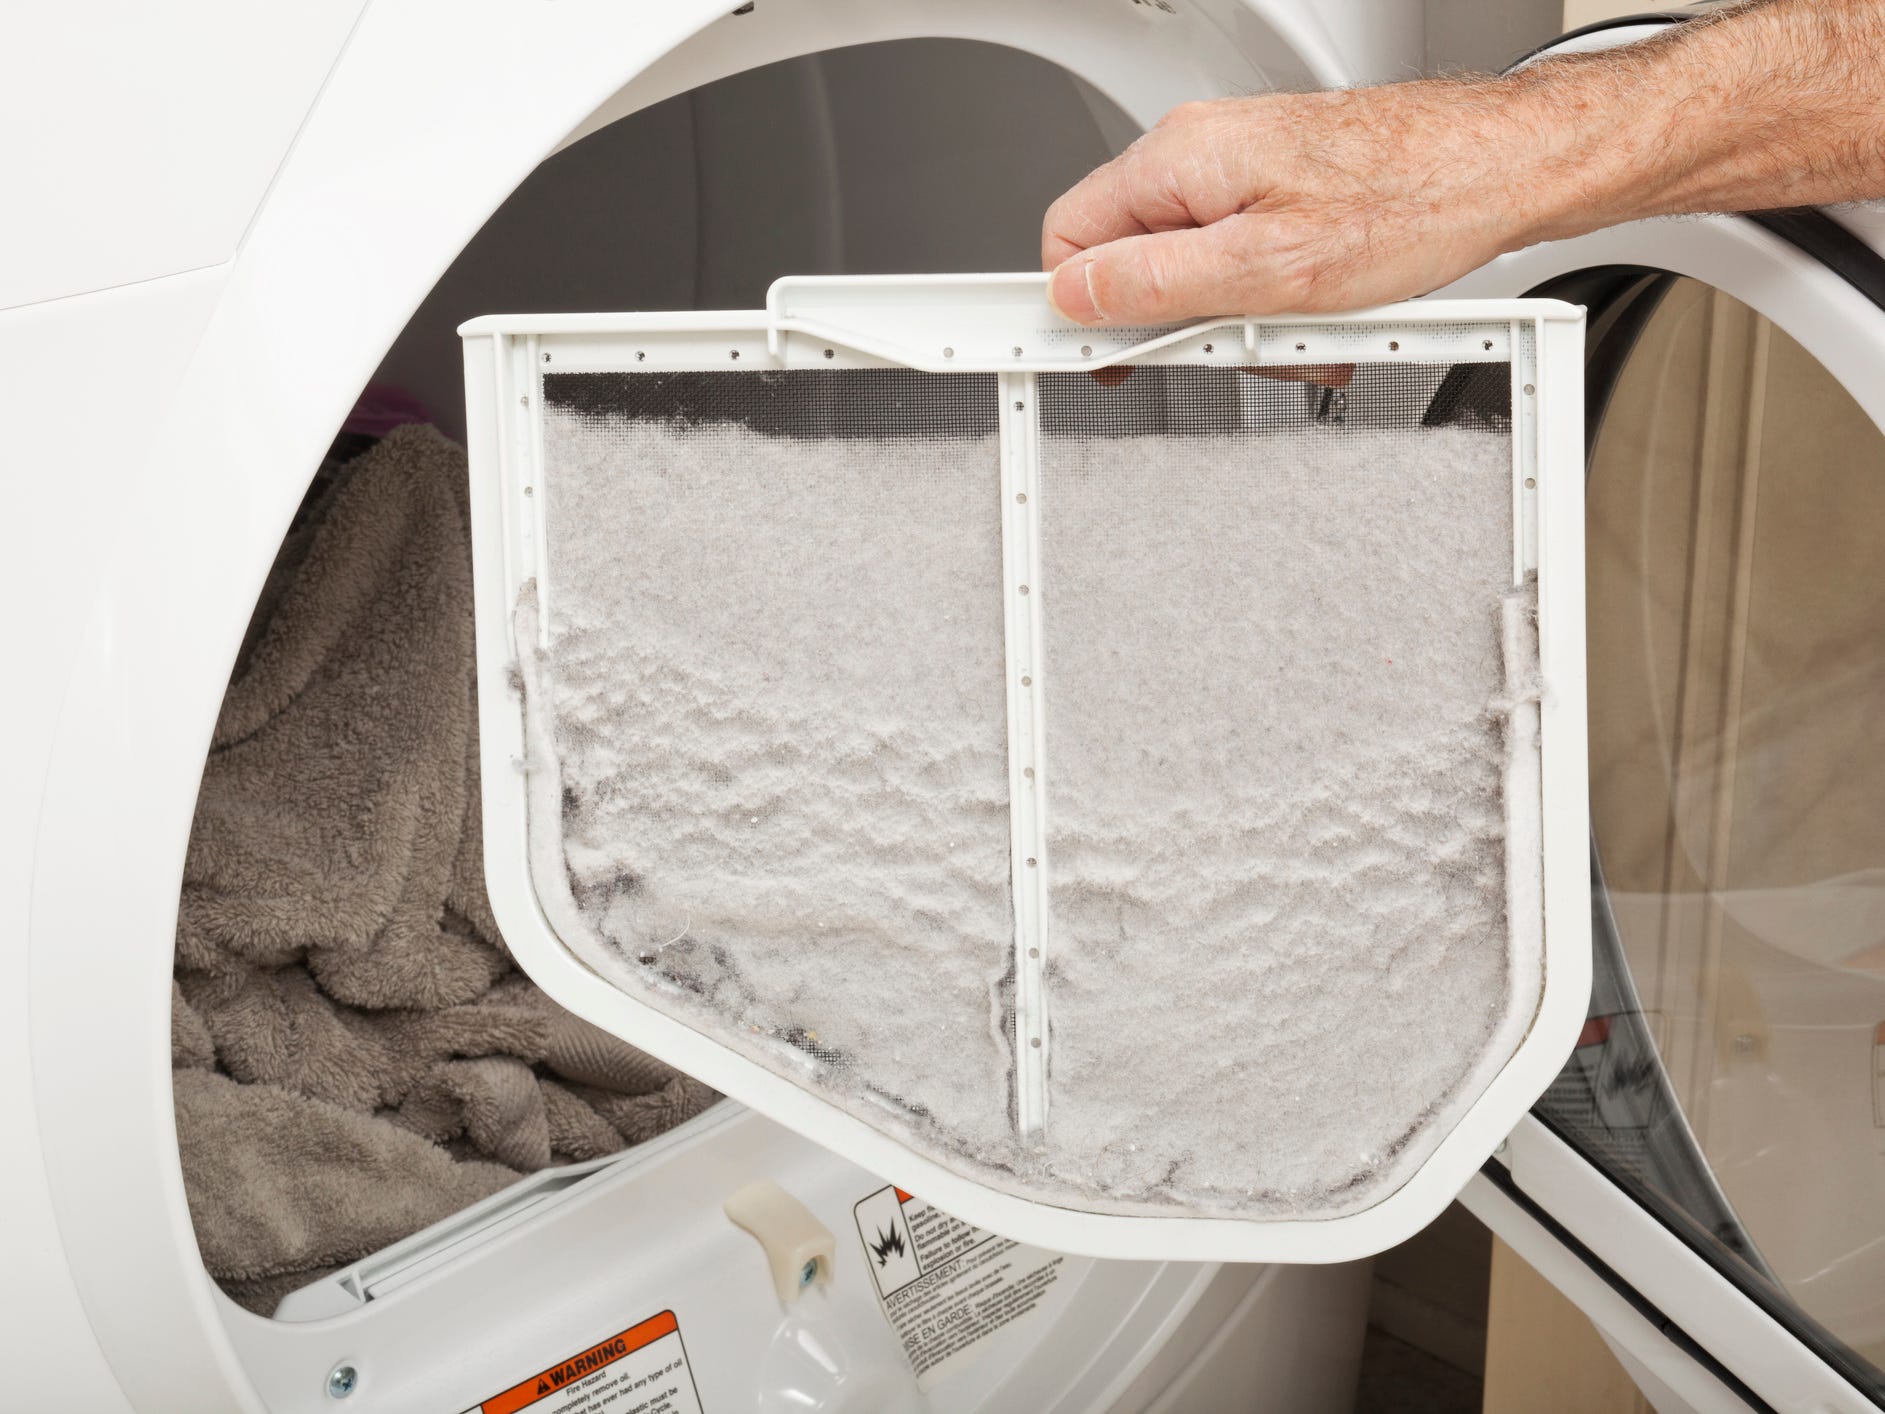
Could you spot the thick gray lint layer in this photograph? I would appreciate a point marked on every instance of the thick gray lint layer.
(1276, 848)
(1278, 958)
(779, 709)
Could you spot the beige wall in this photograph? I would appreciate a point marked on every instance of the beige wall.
(1589, 12)
(1542, 1353)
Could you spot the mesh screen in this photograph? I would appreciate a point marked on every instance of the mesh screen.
(873, 403)
(1276, 951)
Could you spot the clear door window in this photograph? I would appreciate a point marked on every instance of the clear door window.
(1733, 1070)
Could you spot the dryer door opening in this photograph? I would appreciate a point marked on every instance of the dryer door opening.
(544, 1225)
(1731, 1076)
(1703, 1178)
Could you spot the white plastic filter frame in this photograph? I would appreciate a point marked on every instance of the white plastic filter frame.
(1002, 324)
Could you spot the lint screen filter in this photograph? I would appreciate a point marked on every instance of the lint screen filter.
(1279, 705)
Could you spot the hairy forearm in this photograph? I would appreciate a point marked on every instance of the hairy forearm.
(1774, 104)
(1322, 201)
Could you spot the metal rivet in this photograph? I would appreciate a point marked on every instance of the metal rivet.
(1024, 589)
(1301, 347)
(733, 353)
(1529, 390)
(1020, 407)
(1035, 1042)
(1531, 483)
(1026, 681)
(1207, 348)
(1017, 351)
(1034, 952)
(546, 358)
(1486, 344)
(1394, 345)
(831, 353)
(525, 400)
(342, 1381)
(949, 353)
(530, 490)
(1028, 771)
(1021, 498)
(1030, 864)
(1086, 351)
(641, 355)
(808, 1273)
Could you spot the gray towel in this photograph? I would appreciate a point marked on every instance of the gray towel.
(355, 1056)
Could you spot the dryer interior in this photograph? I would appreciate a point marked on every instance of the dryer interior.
(356, 1057)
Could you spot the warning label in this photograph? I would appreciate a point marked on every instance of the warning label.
(642, 1370)
(946, 1286)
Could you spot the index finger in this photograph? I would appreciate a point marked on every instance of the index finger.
(1141, 192)
(1093, 211)
(1181, 175)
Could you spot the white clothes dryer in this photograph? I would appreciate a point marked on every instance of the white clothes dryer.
(239, 217)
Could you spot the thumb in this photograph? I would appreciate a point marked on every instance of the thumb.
(1153, 279)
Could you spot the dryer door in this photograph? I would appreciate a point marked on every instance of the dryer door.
(1706, 1178)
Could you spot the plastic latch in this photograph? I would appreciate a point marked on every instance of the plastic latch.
(798, 1247)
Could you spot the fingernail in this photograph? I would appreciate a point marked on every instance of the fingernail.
(1071, 291)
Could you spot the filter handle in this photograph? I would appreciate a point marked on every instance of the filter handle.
(999, 323)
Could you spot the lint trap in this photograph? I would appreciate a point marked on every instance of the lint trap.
(1126, 785)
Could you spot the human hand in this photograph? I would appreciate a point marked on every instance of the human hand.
(1295, 202)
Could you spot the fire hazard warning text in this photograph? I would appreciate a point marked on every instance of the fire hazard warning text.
(642, 1370)
(946, 1286)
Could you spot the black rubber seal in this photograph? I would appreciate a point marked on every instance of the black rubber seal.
(1647, 17)
(1812, 232)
